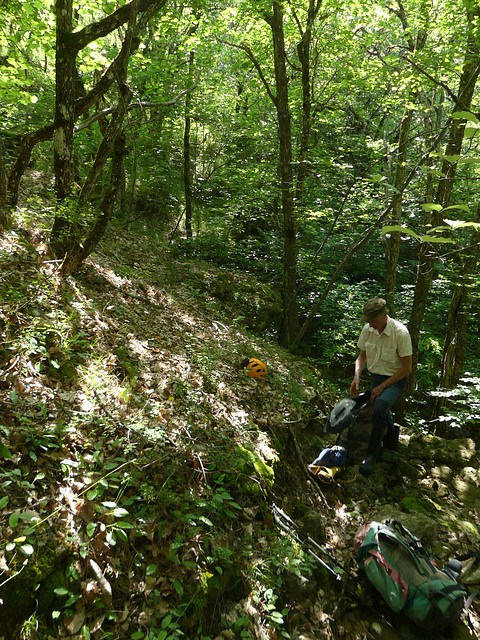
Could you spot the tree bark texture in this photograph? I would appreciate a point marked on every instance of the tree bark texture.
(428, 252)
(290, 323)
(187, 162)
(391, 245)
(453, 356)
(3, 190)
(74, 249)
(76, 42)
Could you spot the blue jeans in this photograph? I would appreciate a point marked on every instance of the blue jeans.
(383, 427)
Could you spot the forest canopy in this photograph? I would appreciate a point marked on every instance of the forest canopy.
(329, 150)
(189, 185)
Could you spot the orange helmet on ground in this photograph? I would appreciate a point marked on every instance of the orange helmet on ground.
(256, 369)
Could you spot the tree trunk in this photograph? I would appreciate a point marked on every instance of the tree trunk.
(303, 51)
(290, 322)
(453, 355)
(75, 258)
(4, 221)
(187, 163)
(64, 101)
(78, 41)
(76, 248)
(391, 245)
(428, 252)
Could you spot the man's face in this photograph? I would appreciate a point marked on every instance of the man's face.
(379, 322)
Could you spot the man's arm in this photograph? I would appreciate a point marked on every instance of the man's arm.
(359, 367)
(404, 370)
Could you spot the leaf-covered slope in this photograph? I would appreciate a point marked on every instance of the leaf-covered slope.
(140, 463)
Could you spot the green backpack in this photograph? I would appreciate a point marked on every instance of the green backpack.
(406, 577)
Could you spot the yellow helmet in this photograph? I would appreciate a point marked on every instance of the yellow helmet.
(256, 369)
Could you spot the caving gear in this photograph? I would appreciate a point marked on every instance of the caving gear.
(254, 368)
(405, 575)
(340, 572)
(342, 415)
(335, 456)
(326, 475)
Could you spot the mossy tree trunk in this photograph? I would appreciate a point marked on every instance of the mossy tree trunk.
(290, 322)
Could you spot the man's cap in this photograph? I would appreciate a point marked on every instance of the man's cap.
(373, 308)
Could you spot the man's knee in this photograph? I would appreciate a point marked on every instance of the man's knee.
(380, 410)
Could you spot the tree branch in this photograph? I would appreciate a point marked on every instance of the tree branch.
(246, 49)
(100, 29)
(432, 79)
(105, 112)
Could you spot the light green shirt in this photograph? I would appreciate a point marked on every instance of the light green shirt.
(385, 349)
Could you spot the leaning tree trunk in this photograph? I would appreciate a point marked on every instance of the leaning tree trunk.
(108, 201)
(77, 252)
(428, 253)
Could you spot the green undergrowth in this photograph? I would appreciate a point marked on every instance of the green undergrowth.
(138, 459)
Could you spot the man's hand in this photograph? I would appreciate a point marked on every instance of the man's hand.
(355, 388)
(377, 392)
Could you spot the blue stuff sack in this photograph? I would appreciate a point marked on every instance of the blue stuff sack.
(335, 456)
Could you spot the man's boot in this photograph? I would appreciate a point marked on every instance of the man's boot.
(389, 451)
(367, 466)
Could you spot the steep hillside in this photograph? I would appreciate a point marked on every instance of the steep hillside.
(140, 464)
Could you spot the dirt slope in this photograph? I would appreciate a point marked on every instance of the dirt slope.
(140, 464)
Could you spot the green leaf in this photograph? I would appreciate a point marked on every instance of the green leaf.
(433, 239)
(3, 502)
(121, 535)
(166, 621)
(120, 512)
(90, 529)
(61, 591)
(403, 230)
(178, 587)
(452, 159)
(10, 546)
(431, 206)
(377, 177)
(13, 520)
(464, 115)
(151, 569)
(110, 465)
(457, 224)
(471, 132)
(462, 207)
(4, 452)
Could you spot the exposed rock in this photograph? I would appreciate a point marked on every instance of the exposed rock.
(453, 453)
(422, 526)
